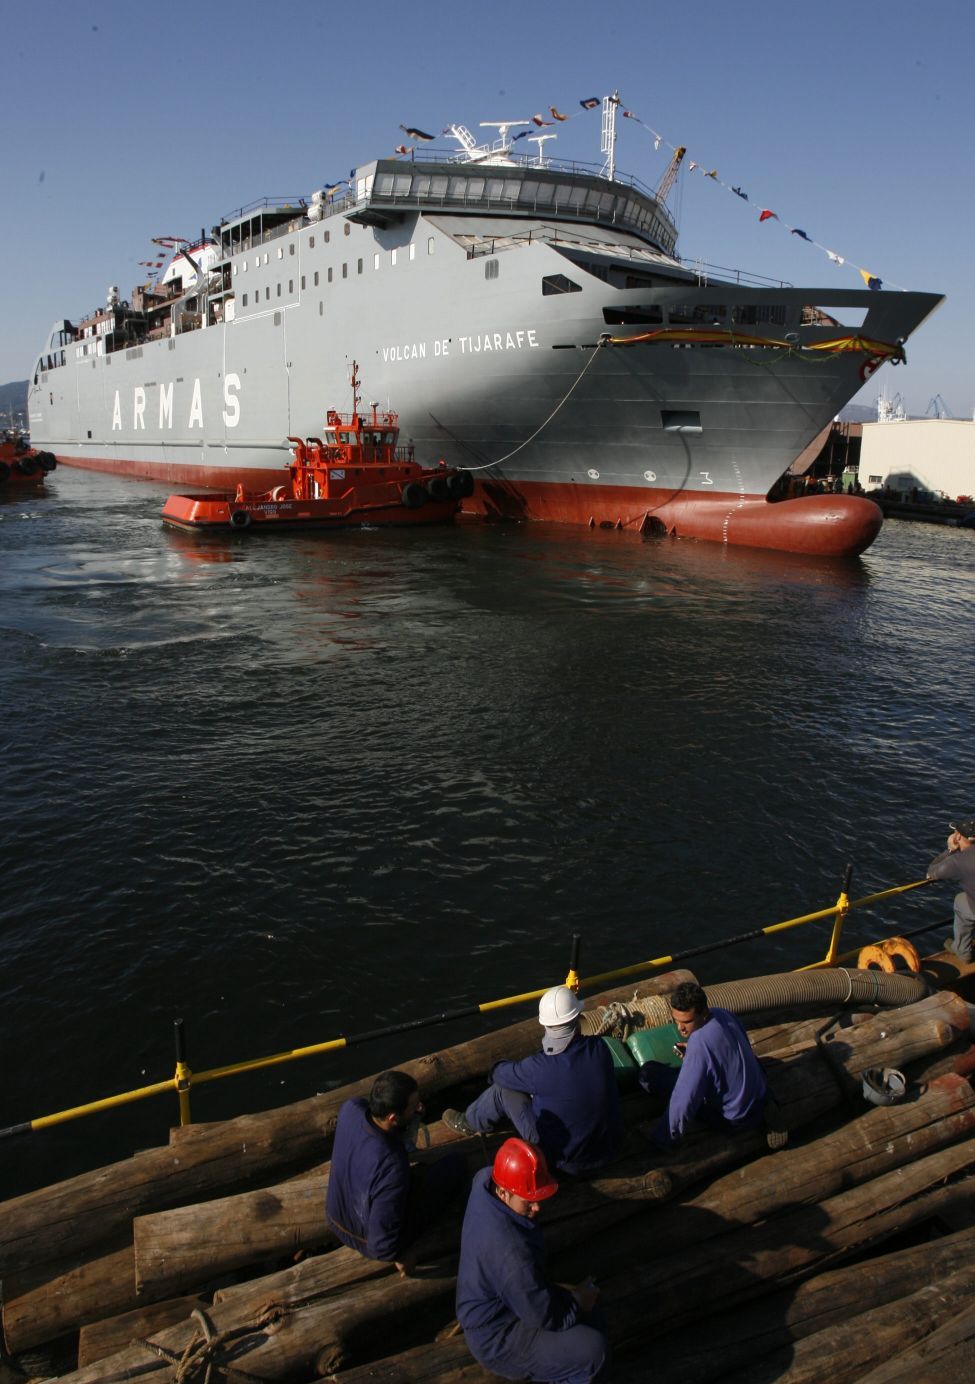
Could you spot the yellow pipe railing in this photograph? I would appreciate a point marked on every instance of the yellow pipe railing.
(183, 1077)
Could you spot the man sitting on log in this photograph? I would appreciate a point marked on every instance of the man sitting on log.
(563, 1098)
(958, 863)
(720, 1081)
(375, 1202)
(516, 1323)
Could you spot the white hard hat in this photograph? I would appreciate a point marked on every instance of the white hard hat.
(557, 1006)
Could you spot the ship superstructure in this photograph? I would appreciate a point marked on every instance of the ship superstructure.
(533, 314)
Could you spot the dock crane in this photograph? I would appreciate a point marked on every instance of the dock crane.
(937, 408)
(670, 174)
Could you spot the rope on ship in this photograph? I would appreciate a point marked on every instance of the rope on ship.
(876, 353)
(488, 464)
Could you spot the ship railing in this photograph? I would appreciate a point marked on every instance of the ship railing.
(184, 1077)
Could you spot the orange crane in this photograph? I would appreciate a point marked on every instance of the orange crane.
(667, 181)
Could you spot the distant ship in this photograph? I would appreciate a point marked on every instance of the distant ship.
(533, 324)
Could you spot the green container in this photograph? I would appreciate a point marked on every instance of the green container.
(655, 1045)
(623, 1064)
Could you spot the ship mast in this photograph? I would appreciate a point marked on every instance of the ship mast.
(608, 146)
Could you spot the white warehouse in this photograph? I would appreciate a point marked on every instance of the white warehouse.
(933, 456)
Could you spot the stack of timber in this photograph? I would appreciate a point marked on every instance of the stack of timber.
(852, 1247)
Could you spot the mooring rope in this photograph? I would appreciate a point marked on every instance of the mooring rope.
(488, 464)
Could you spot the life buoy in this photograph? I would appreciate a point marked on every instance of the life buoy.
(874, 958)
(27, 466)
(413, 495)
(240, 519)
(437, 489)
(884, 956)
(460, 485)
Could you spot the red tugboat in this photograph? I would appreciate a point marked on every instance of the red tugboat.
(356, 474)
(20, 463)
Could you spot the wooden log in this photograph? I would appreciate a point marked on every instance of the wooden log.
(294, 1326)
(102, 1287)
(739, 1265)
(84, 1211)
(738, 1340)
(187, 1245)
(880, 1140)
(317, 1331)
(896, 1037)
(430, 1363)
(851, 1348)
(771, 1038)
(100, 1339)
(941, 1358)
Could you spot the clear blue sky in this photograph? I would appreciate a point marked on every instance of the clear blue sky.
(123, 121)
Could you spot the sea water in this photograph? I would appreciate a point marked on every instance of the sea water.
(297, 787)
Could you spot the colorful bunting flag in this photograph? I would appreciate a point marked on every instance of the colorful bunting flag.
(538, 120)
(591, 104)
(403, 149)
(796, 231)
(767, 215)
(738, 193)
(557, 115)
(870, 280)
(691, 166)
(415, 134)
(837, 259)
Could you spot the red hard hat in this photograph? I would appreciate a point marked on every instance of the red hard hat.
(521, 1168)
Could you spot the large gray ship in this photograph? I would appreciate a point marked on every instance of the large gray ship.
(532, 324)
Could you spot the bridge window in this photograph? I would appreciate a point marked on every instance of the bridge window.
(491, 269)
(558, 283)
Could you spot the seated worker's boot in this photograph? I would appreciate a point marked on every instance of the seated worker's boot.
(457, 1121)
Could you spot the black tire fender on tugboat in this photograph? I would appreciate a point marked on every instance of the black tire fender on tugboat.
(47, 461)
(240, 519)
(27, 466)
(438, 489)
(413, 495)
(460, 485)
(4, 471)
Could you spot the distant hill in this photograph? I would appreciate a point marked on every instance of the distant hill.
(13, 403)
(858, 413)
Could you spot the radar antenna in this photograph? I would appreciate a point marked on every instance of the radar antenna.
(608, 146)
(540, 140)
(502, 127)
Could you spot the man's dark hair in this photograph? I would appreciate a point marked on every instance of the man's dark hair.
(390, 1094)
(689, 995)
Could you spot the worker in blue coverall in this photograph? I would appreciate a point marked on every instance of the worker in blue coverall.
(516, 1323)
(720, 1082)
(376, 1203)
(563, 1098)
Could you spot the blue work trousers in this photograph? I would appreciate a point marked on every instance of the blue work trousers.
(498, 1106)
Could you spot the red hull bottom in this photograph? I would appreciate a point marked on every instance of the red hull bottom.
(825, 525)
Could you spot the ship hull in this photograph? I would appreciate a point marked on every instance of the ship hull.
(556, 417)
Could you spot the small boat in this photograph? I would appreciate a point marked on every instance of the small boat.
(356, 474)
(20, 463)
